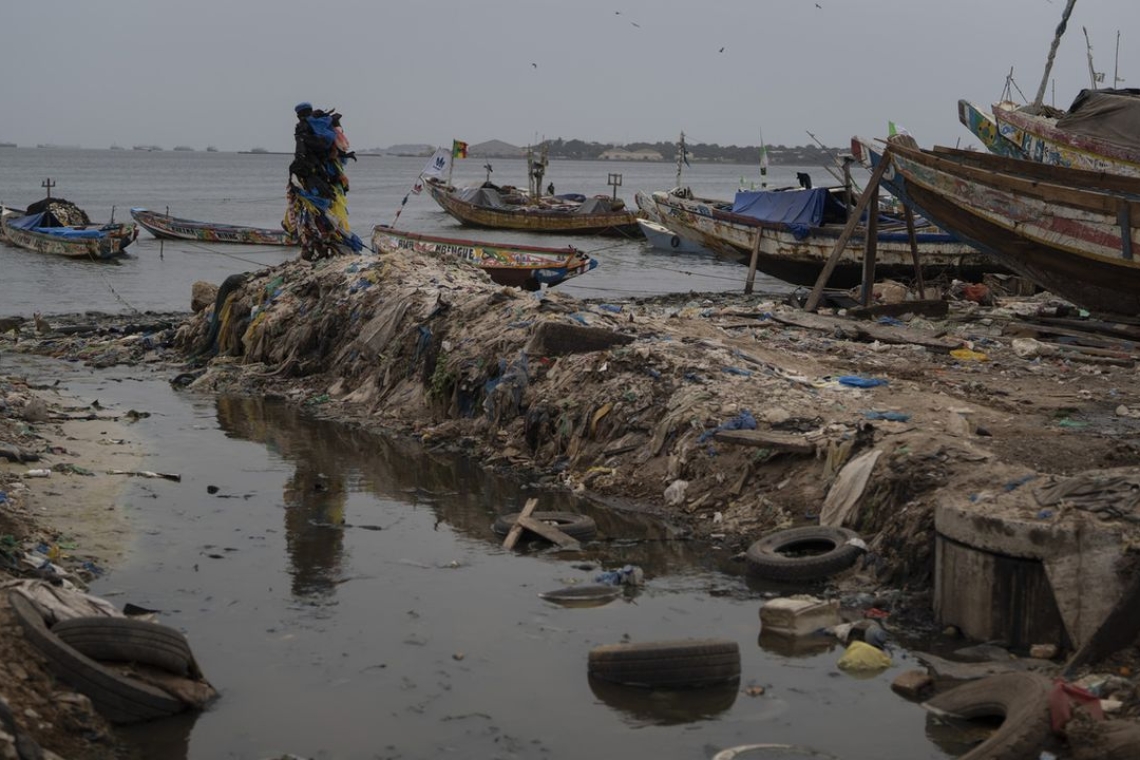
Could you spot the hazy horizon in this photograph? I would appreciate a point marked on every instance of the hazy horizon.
(728, 72)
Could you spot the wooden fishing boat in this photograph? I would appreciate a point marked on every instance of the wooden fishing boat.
(174, 228)
(507, 208)
(794, 231)
(1099, 132)
(524, 266)
(1072, 232)
(58, 227)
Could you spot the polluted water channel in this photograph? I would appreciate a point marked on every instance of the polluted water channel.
(348, 597)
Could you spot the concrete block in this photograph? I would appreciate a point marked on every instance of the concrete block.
(913, 684)
(798, 615)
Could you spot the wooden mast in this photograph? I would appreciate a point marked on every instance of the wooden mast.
(1036, 107)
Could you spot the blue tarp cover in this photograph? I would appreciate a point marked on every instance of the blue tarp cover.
(796, 207)
(32, 222)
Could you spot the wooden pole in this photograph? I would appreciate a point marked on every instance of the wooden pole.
(908, 215)
(752, 264)
(870, 251)
(516, 530)
(852, 221)
(1037, 102)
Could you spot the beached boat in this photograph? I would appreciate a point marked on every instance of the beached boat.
(174, 228)
(658, 234)
(59, 227)
(1072, 232)
(794, 231)
(1100, 131)
(524, 266)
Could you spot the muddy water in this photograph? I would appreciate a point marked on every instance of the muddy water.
(348, 598)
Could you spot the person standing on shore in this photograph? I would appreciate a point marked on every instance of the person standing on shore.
(316, 214)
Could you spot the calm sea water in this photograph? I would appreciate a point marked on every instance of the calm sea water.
(248, 189)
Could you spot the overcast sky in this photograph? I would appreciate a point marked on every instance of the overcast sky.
(228, 72)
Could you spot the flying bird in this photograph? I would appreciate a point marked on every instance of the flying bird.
(721, 50)
(534, 64)
(817, 5)
(635, 24)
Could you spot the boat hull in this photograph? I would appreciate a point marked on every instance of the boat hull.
(525, 219)
(109, 246)
(1072, 232)
(172, 228)
(521, 266)
(799, 260)
(1040, 140)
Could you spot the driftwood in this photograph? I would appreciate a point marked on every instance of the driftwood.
(767, 439)
(516, 530)
(867, 331)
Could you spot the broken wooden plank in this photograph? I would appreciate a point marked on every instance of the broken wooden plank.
(767, 439)
(927, 308)
(516, 530)
(856, 330)
(548, 531)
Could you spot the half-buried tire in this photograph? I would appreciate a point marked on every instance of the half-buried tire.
(118, 699)
(690, 663)
(581, 527)
(124, 640)
(804, 554)
(1022, 699)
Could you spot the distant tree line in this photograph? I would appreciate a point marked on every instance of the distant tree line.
(799, 155)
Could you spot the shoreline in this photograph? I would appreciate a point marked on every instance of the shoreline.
(636, 403)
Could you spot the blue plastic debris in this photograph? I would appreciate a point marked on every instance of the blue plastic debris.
(891, 321)
(892, 416)
(579, 318)
(1044, 514)
(736, 371)
(855, 381)
(630, 575)
(742, 421)
(1015, 484)
(611, 307)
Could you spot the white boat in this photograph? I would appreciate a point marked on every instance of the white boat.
(660, 236)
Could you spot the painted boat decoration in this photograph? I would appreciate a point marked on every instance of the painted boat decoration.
(1073, 232)
(59, 227)
(523, 266)
(174, 228)
(511, 209)
(794, 232)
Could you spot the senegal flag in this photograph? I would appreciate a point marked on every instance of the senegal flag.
(458, 149)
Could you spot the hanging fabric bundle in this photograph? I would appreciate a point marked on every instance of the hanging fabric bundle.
(316, 213)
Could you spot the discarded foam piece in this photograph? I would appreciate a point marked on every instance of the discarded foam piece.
(798, 615)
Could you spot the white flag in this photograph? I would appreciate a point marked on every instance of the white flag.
(438, 165)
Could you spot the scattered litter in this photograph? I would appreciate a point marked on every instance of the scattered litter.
(875, 414)
(147, 474)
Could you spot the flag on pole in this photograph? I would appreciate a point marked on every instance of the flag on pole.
(438, 165)
(896, 129)
(458, 149)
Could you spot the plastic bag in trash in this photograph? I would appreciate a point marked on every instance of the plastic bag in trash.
(630, 575)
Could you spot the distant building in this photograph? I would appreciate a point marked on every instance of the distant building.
(620, 154)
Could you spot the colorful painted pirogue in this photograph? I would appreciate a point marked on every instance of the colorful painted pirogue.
(1072, 232)
(59, 227)
(174, 228)
(524, 266)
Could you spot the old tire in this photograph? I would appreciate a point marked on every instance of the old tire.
(690, 663)
(118, 699)
(1022, 699)
(803, 554)
(581, 527)
(125, 640)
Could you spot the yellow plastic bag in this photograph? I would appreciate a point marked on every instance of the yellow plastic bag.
(861, 656)
(969, 355)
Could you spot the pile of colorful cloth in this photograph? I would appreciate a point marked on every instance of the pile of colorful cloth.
(317, 212)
